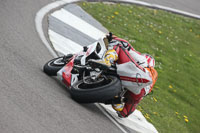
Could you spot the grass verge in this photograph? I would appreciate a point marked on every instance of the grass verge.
(174, 41)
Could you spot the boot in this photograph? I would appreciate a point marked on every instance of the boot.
(118, 107)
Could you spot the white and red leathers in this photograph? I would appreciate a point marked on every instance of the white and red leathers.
(136, 73)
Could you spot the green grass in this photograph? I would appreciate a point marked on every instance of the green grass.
(174, 41)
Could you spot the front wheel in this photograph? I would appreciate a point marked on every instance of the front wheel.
(53, 66)
(100, 91)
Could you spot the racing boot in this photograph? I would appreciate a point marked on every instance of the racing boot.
(118, 107)
(109, 58)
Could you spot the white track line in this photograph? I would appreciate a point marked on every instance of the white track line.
(135, 121)
(78, 24)
(64, 44)
(112, 119)
(39, 18)
(38, 23)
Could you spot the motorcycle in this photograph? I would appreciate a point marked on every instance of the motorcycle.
(87, 81)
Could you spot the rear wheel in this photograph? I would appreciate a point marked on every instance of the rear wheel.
(101, 90)
(53, 66)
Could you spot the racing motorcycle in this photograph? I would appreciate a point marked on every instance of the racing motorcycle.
(87, 81)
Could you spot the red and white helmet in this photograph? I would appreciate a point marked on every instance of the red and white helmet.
(150, 60)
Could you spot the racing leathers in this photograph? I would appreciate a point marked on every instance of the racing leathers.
(136, 72)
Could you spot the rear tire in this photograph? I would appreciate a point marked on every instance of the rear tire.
(85, 93)
(53, 66)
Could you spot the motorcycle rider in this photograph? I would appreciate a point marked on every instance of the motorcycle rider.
(136, 72)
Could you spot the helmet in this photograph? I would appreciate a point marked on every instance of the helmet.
(150, 60)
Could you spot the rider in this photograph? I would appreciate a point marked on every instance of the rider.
(136, 72)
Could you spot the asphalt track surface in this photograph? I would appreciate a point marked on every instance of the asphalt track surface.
(191, 6)
(30, 101)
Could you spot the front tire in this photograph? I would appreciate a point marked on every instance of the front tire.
(53, 66)
(85, 93)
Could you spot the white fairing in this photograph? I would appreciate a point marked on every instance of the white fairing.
(91, 49)
(103, 48)
(74, 79)
(59, 74)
